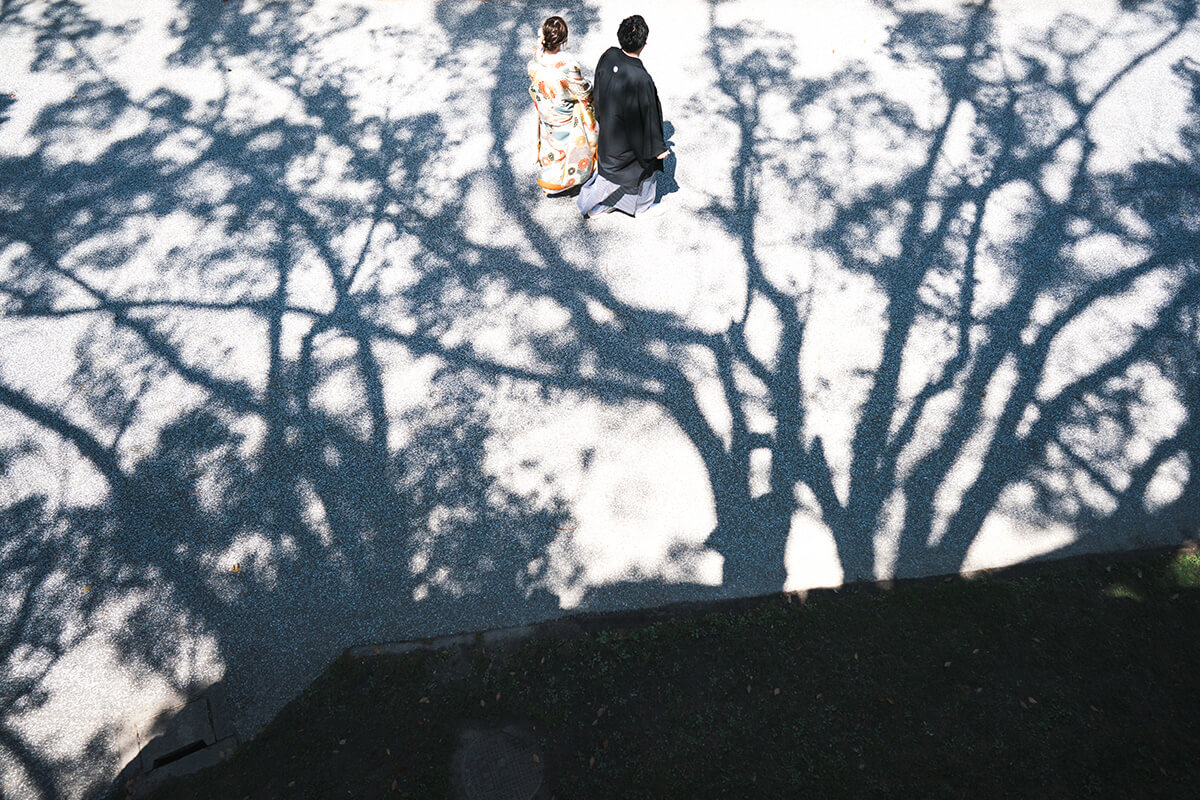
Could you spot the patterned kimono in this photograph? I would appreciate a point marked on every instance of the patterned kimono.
(566, 124)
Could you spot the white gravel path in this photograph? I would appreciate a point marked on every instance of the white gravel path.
(295, 356)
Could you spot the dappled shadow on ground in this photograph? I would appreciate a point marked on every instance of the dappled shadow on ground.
(262, 349)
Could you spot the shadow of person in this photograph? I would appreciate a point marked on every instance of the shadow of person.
(666, 179)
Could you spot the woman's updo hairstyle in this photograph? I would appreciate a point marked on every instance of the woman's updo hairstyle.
(554, 33)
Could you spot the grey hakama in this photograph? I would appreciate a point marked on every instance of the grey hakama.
(600, 195)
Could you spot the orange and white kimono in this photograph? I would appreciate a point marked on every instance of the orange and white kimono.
(566, 154)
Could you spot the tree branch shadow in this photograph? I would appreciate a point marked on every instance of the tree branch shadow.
(292, 423)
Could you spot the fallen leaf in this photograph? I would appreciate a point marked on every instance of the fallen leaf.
(87, 589)
(389, 750)
(537, 759)
(393, 784)
(423, 700)
(747, 688)
(236, 568)
(591, 761)
(497, 695)
(341, 741)
(1032, 702)
(291, 783)
(776, 691)
(482, 703)
(976, 650)
(946, 664)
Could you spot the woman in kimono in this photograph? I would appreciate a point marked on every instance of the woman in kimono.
(566, 154)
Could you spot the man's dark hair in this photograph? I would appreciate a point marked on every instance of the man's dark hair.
(554, 33)
(632, 33)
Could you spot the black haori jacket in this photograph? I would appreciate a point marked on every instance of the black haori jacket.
(630, 118)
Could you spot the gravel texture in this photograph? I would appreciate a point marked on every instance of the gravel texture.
(294, 354)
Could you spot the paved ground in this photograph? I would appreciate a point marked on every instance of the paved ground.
(295, 356)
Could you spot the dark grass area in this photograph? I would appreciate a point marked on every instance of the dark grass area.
(1071, 681)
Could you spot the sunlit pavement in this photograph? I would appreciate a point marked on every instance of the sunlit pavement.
(296, 356)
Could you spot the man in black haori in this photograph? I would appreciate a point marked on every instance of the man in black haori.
(631, 146)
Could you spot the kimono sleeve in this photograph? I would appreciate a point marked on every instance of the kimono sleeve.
(651, 144)
(577, 85)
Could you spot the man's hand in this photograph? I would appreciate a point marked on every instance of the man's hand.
(665, 153)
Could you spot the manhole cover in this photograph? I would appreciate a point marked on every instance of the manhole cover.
(499, 766)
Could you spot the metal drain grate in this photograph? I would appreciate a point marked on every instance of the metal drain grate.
(498, 766)
(175, 734)
(175, 755)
